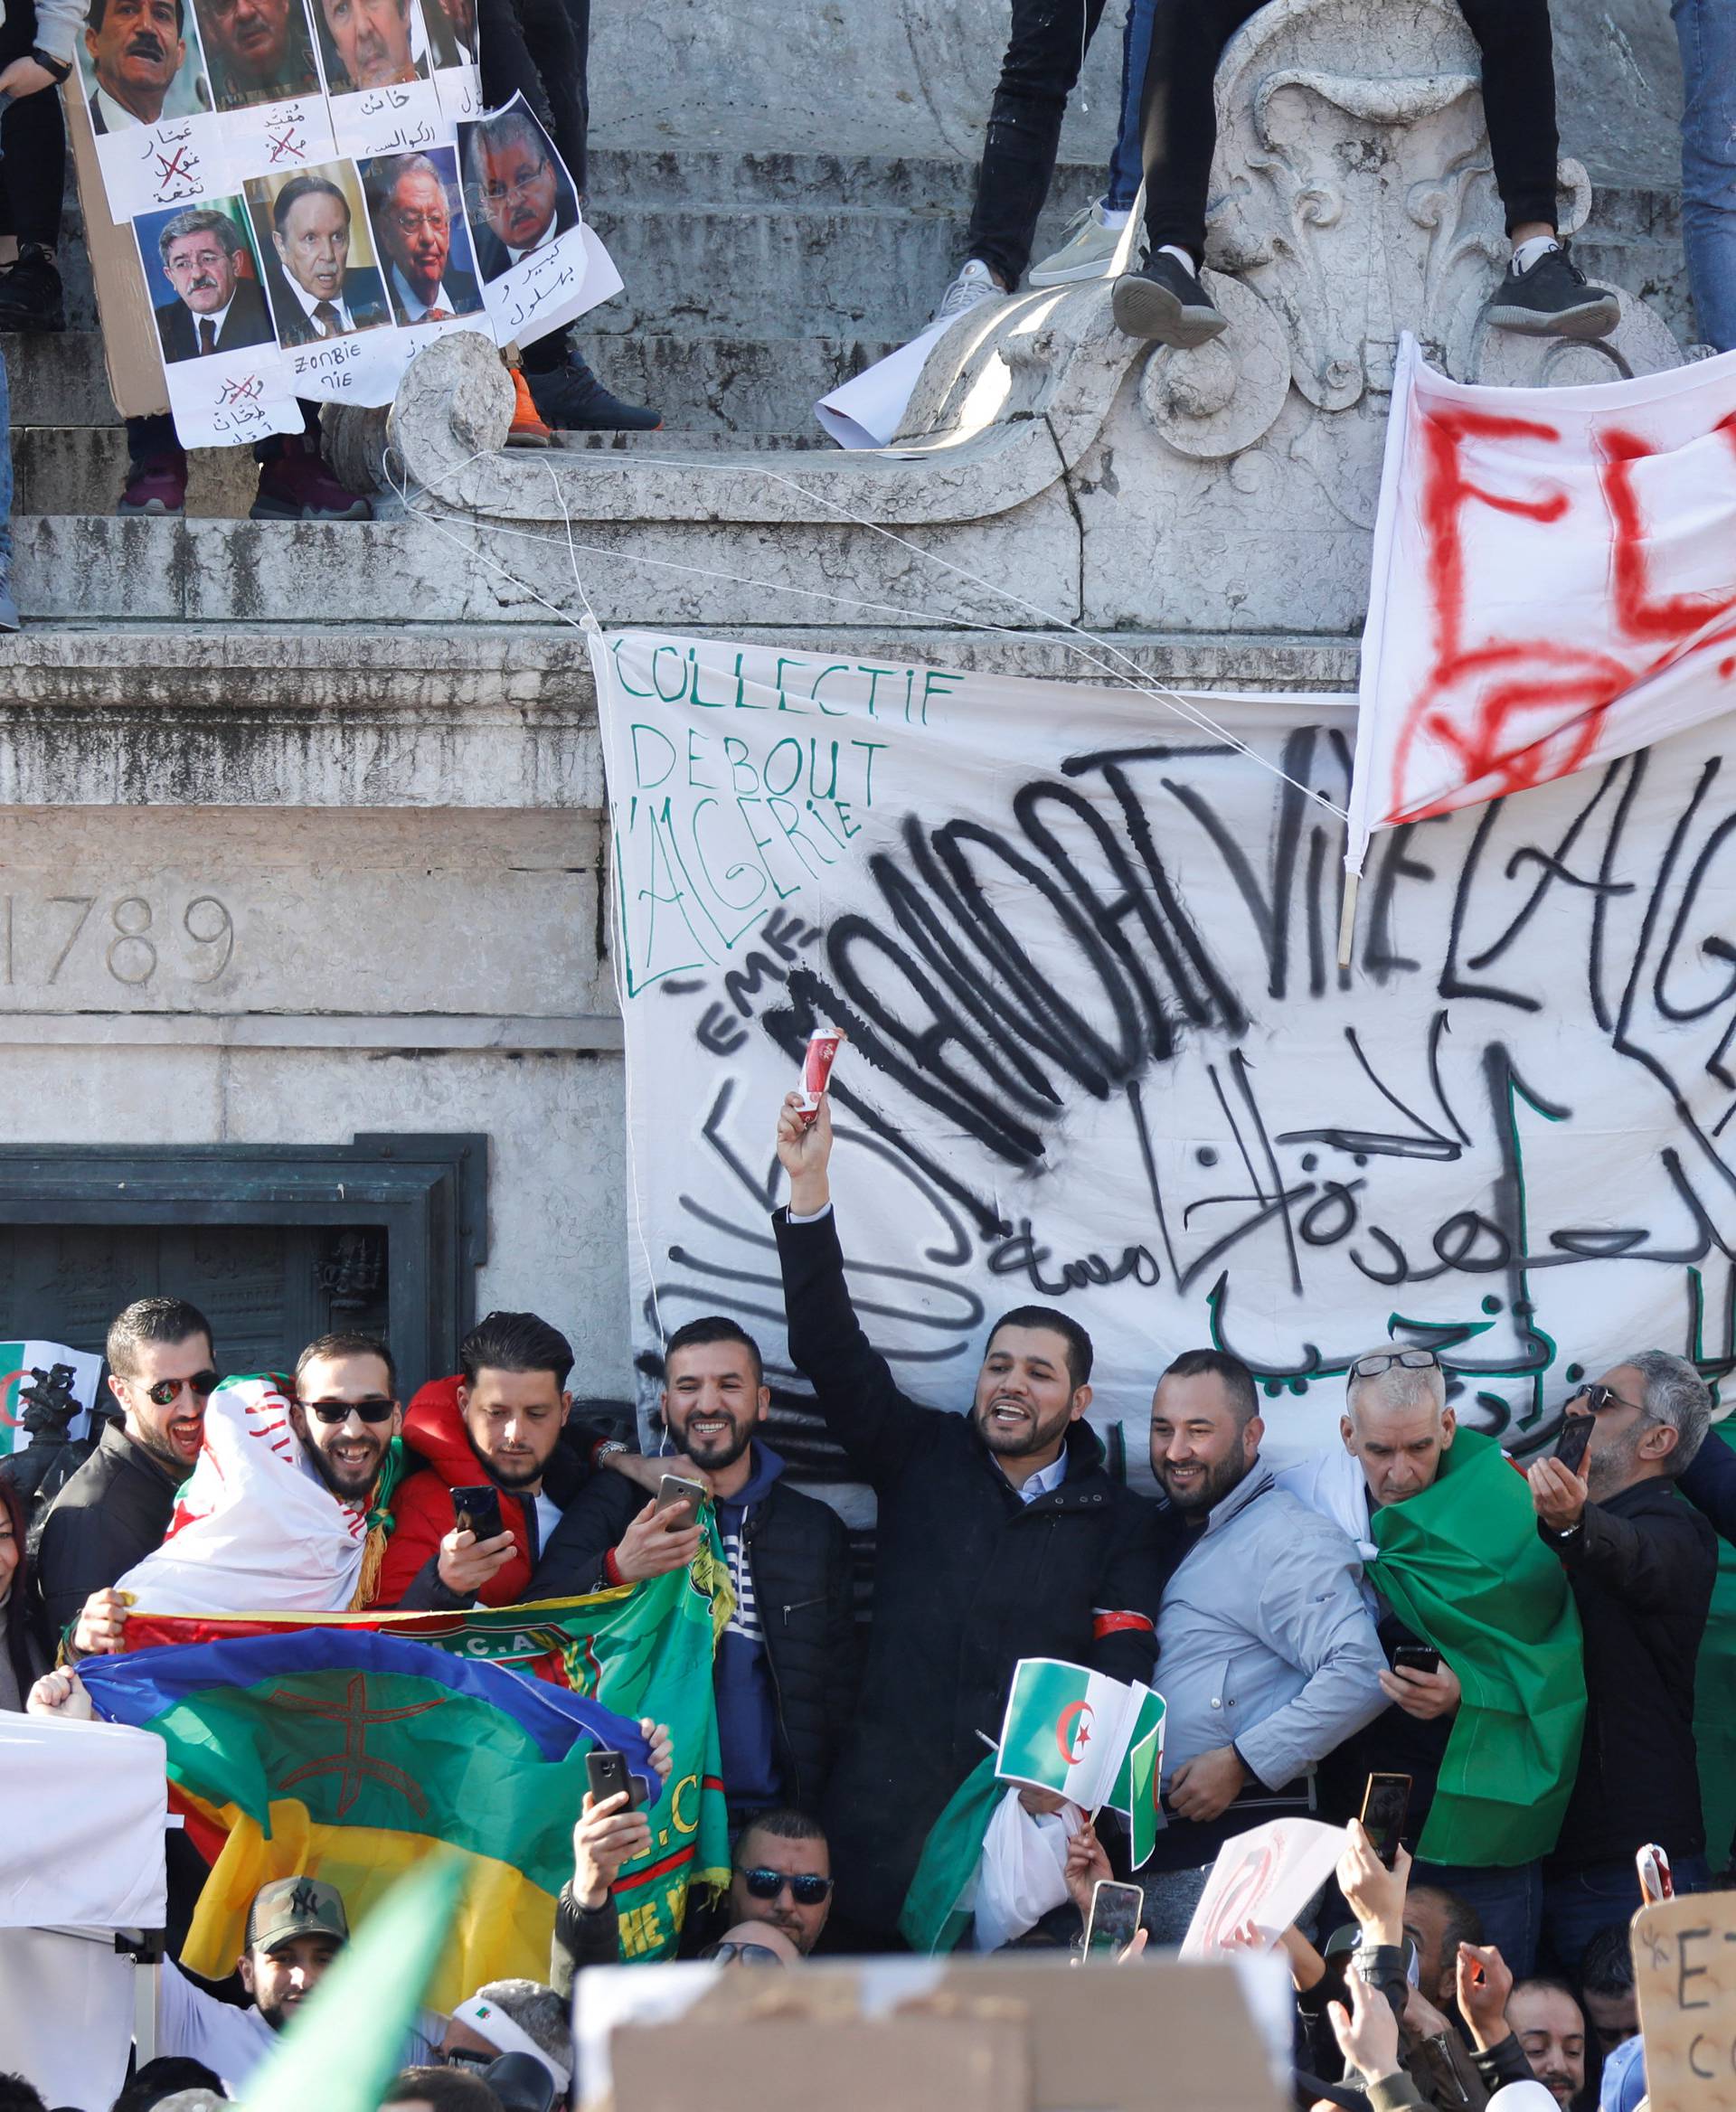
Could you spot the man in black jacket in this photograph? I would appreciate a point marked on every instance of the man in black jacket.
(1000, 1536)
(1642, 1564)
(786, 1667)
(117, 1507)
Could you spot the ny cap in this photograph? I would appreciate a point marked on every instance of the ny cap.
(295, 1906)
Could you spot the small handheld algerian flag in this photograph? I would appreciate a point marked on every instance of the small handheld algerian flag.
(1066, 1729)
(1136, 1791)
(80, 1372)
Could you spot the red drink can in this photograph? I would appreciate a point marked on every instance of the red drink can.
(823, 1046)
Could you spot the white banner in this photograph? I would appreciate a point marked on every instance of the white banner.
(66, 2015)
(1101, 1055)
(1262, 1879)
(82, 1842)
(1553, 583)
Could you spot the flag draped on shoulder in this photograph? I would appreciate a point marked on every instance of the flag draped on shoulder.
(1553, 583)
(641, 1652)
(1462, 1565)
(253, 1530)
(937, 1906)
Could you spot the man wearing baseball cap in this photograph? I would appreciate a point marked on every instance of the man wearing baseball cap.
(295, 1928)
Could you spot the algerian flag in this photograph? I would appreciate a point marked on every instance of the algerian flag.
(1066, 1730)
(19, 1361)
(937, 1907)
(343, 2046)
(1137, 1790)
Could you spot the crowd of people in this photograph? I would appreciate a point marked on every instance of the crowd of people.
(1308, 1624)
(539, 48)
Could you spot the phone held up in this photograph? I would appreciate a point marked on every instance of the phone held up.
(1114, 1920)
(1416, 1657)
(1385, 1802)
(477, 1510)
(1575, 1436)
(675, 1488)
(608, 1775)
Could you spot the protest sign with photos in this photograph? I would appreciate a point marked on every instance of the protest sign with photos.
(1263, 1878)
(1684, 1974)
(328, 294)
(379, 76)
(142, 74)
(221, 360)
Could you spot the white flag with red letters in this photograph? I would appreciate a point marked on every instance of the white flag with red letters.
(1553, 584)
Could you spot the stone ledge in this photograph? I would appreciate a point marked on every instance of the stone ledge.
(404, 1033)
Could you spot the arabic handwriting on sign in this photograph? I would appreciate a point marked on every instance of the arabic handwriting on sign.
(289, 145)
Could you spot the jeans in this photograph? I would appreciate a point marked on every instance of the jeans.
(1579, 1903)
(1705, 31)
(1178, 121)
(32, 133)
(1509, 1904)
(1043, 56)
(1125, 172)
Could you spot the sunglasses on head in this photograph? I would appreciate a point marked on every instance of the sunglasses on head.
(375, 1409)
(806, 1889)
(1411, 1360)
(166, 1390)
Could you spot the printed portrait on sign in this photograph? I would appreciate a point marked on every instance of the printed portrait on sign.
(421, 236)
(322, 272)
(204, 280)
(517, 192)
(370, 43)
(452, 31)
(141, 63)
(257, 51)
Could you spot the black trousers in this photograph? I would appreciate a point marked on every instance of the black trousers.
(1043, 56)
(32, 133)
(153, 440)
(1179, 121)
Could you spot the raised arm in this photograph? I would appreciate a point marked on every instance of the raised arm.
(853, 1388)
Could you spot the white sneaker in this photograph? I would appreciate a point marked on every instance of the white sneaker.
(974, 284)
(1088, 252)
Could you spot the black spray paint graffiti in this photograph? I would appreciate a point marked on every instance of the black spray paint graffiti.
(951, 1008)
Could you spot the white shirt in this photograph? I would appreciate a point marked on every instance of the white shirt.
(310, 301)
(548, 1517)
(1044, 1479)
(233, 2041)
(414, 308)
(116, 117)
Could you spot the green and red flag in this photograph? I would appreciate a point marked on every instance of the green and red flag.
(640, 1651)
(1461, 1563)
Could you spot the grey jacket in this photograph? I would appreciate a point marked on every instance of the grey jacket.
(1264, 1640)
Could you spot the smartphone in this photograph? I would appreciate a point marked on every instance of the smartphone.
(1416, 1657)
(1385, 1802)
(1655, 1880)
(1113, 1921)
(1575, 1436)
(608, 1777)
(675, 1488)
(478, 1511)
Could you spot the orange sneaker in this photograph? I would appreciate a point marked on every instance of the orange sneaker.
(528, 430)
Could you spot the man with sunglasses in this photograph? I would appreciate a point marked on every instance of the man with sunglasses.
(345, 1413)
(1454, 1573)
(117, 1507)
(1641, 1564)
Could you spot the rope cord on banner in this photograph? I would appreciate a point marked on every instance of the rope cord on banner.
(1138, 680)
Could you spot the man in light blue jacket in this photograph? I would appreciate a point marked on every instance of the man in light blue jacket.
(1266, 1654)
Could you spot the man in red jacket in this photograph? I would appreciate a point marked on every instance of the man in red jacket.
(498, 1422)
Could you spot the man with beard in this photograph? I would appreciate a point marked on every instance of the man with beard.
(413, 219)
(117, 1507)
(215, 309)
(137, 48)
(370, 39)
(785, 1670)
(1641, 1563)
(1000, 1535)
(345, 1413)
(258, 51)
(1268, 1652)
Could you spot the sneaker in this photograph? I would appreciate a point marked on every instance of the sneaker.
(1164, 299)
(974, 284)
(571, 399)
(1087, 252)
(31, 297)
(1553, 299)
(299, 486)
(155, 488)
(527, 430)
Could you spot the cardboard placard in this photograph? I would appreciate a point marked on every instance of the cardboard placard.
(1684, 1973)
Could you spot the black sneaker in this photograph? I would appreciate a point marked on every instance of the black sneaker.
(30, 292)
(1553, 299)
(572, 399)
(1164, 300)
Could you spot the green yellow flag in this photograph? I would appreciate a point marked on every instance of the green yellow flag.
(342, 2049)
(1462, 1564)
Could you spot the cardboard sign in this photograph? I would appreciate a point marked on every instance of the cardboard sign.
(1684, 1973)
